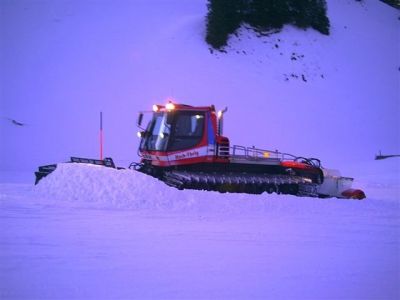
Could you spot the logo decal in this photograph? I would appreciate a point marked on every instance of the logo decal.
(188, 154)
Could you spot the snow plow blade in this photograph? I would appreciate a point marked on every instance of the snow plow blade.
(335, 185)
(43, 171)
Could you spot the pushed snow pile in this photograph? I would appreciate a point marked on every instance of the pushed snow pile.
(99, 187)
(91, 185)
(84, 183)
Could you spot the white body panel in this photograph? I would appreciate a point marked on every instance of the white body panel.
(334, 184)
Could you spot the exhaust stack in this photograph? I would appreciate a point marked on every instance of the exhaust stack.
(221, 120)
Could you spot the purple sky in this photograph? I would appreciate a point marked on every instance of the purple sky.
(62, 62)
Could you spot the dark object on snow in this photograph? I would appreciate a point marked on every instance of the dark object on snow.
(393, 3)
(106, 162)
(15, 122)
(43, 171)
(380, 156)
(224, 17)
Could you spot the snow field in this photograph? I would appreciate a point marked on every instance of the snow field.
(92, 232)
(214, 247)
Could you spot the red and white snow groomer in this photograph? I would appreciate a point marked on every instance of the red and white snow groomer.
(184, 146)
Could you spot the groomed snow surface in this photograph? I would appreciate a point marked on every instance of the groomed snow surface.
(93, 232)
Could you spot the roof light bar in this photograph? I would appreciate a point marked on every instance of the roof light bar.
(170, 106)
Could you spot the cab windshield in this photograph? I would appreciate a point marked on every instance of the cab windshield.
(174, 131)
(157, 133)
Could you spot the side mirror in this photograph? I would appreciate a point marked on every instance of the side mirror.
(142, 134)
(140, 119)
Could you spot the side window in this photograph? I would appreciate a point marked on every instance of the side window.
(188, 130)
(197, 125)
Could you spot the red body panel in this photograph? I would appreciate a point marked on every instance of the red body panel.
(296, 165)
(300, 166)
(203, 152)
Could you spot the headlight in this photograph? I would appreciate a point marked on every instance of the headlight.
(170, 106)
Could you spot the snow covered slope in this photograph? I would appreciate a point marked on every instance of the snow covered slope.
(63, 62)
